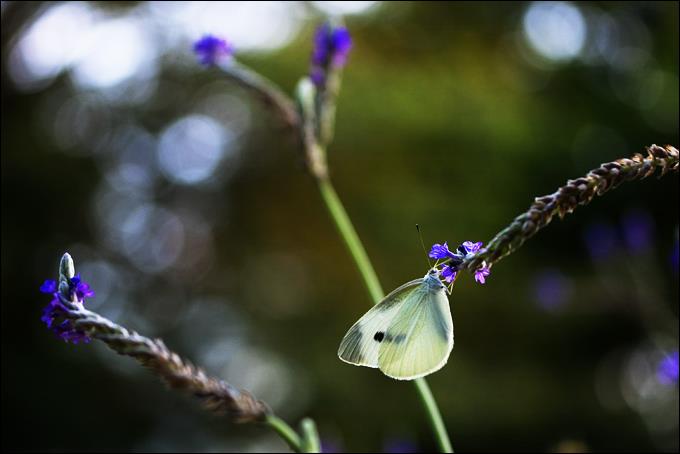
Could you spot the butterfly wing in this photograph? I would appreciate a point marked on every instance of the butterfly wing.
(361, 344)
(419, 338)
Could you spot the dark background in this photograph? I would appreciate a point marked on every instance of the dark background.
(187, 207)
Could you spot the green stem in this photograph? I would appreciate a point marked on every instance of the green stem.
(356, 249)
(285, 431)
(310, 441)
(435, 417)
(352, 241)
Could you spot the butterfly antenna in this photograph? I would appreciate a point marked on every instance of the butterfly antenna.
(420, 235)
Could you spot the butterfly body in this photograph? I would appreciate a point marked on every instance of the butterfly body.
(409, 334)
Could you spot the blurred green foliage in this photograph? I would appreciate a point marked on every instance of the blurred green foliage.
(447, 118)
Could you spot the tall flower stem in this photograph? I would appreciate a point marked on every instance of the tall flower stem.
(370, 278)
(351, 239)
(315, 155)
(434, 415)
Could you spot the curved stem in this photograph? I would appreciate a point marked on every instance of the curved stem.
(363, 263)
(285, 431)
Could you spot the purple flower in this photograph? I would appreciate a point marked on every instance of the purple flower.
(453, 260)
(50, 286)
(552, 289)
(449, 273)
(602, 240)
(81, 288)
(471, 248)
(210, 49)
(54, 315)
(441, 251)
(481, 274)
(331, 48)
(667, 371)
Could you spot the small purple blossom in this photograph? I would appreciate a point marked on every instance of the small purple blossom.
(331, 48)
(210, 49)
(50, 286)
(81, 288)
(441, 251)
(472, 248)
(481, 274)
(449, 273)
(667, 370)
(54, 315)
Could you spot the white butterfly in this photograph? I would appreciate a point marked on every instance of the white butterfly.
(409, 334)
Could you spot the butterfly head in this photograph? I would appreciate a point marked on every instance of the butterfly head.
(432, 278)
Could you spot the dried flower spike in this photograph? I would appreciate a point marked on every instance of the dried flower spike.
(570, 196)
(67, 316)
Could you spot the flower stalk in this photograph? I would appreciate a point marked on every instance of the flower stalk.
(567, 198)
(316, 135)
(218, 396)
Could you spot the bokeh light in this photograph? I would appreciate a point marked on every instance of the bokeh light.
(555, 30)
(190, 149)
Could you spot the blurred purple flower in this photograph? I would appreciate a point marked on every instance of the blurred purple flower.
(638, 230)
(330, 446)
(54, 314)
(667, 370)
(331, 48)
(601, 240)
(210, 49)
(400, 446)
(551, 289)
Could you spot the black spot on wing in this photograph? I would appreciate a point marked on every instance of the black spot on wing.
(379, 336)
